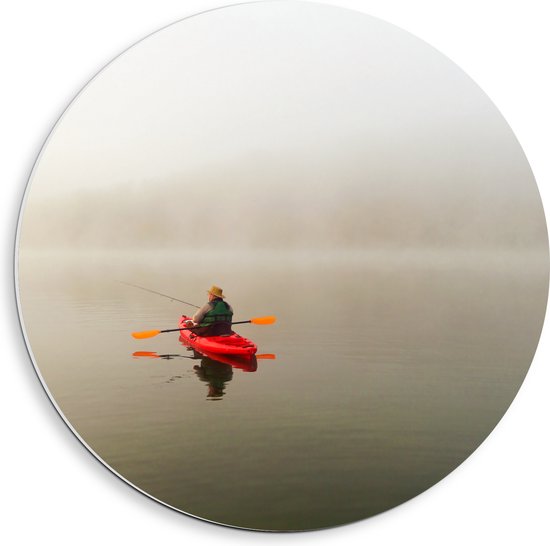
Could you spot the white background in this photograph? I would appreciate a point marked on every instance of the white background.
(53, 489)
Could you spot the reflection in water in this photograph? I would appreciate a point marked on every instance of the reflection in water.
(151, 354)
(215, 371)
(216, 375)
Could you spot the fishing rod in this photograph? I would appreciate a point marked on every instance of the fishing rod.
(159, 294)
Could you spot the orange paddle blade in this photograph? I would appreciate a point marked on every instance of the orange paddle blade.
(145, 335)
(266, 356)
(146, 354)
(263, 320)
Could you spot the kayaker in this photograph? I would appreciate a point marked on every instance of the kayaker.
(214, 317)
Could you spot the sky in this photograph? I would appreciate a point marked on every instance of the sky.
(282, 125)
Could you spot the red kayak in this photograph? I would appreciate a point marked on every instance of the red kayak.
(231, 344)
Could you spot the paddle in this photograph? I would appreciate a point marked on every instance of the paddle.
(153, 333)
(148, 354)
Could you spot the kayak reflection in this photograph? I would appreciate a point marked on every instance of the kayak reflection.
(248, 364)
(217, 370)
(214, 370)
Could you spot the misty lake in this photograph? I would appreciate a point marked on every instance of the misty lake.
(389, 372)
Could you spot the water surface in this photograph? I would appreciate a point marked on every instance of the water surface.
(388, 374)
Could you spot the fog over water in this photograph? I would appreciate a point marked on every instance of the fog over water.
(321, 166)
(282, 135)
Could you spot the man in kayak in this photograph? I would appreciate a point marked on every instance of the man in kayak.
(214, 317)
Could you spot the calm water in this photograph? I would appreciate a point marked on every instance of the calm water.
(388, 374)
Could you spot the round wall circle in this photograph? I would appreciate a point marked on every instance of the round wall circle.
(282, 266)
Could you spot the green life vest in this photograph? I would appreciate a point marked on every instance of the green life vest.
(219, 313)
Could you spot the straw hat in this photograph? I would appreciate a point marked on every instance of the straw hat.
(216, 291)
